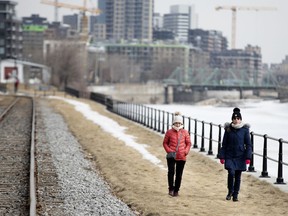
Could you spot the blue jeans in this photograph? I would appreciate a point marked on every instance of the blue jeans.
(172, 163)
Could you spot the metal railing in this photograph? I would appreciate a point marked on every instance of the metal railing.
(201, 132)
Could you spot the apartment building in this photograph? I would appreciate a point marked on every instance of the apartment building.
(150, 61)
(10, 31)
(239, 66)
(34, 28)
(127, 19)
(207, 40)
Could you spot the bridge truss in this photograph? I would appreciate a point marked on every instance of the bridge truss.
(221, 77)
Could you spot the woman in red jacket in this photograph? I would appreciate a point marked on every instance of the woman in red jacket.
(177, 145)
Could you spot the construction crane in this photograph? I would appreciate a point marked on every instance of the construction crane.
(83, 9)
(234, 10)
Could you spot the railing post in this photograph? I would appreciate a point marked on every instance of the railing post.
(136, 112)
(139, 113)
(150, 114)
(144, 116)
(120, 108)
(116, 107)
(133, 112)
(280, 179)
(163, 122)
(195, 135)
(159, 120)
(155, 119)
(251, 165)
(210, 151)
(167, 128)
(219, 141)
(202, 149)
(189, 126)
(264, 173)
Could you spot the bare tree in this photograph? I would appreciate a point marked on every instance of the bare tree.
(163, 69)
(121, 69)
(67, 63)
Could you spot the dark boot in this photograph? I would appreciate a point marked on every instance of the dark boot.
(229, 196)
(171, 192)
(235, 198)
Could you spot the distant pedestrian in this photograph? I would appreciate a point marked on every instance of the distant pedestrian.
(177, 145)
(236, 152)
(16, 84)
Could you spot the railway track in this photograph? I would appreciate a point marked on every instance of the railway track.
(45, 175)
(28, 179)
(16, 122)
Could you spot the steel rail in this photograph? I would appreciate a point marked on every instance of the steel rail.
(32, 165)
(6, 111)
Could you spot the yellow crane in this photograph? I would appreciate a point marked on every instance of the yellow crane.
(234, 10)
(83, 9)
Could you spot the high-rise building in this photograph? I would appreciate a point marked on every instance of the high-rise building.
(93, 20)
(127, 19)
(72, 21)
(102, 7)
(180, 19)
(10, 31)
(157, 21)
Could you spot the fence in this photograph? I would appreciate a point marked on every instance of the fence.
(160, 121)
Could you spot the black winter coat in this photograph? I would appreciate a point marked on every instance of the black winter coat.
(236, 147)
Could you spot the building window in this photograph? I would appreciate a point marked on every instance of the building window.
(1, 50)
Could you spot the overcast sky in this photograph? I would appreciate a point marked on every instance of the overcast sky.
(267, 29)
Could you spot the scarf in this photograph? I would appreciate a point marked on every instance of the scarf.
(237, 126)
(177, 128)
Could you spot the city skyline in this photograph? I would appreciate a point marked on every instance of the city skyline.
(263, 28)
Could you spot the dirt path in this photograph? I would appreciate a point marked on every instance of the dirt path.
(143, 185)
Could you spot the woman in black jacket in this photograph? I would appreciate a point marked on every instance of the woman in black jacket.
(236, 152)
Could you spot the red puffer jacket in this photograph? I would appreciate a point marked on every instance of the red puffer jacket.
(171, 140)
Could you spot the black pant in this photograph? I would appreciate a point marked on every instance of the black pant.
(234, 181)
(171, 172)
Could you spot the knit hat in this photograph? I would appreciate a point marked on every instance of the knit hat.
(177, 118)
(236, 113)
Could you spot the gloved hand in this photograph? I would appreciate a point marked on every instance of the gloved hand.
(222, 161)
(247, 161)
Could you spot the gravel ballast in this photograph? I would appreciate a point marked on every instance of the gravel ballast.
(83, 189)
